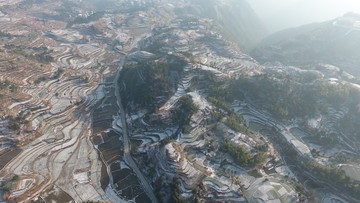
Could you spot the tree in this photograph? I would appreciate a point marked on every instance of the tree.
(240, 154)
(184, 110)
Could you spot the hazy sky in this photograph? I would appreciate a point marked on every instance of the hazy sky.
(280, 14)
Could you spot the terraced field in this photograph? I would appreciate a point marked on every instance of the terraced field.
(62, 117)
(57, 100)
(62, 106)
(71, 129)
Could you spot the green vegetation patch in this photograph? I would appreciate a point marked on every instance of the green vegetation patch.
(80, 20)
(143, 83)
(41, 54)
(235, 122)
(289, 97)
(55, 76)
(242, 156)
(255, 173)
(336, 176)
(148, 84)
(184, 110)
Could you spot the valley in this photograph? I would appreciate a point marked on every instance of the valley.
(149, 101)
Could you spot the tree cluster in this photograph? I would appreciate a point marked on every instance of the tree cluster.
(241, 155)
(184, 110)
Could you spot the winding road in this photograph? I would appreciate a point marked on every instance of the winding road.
(127, 156)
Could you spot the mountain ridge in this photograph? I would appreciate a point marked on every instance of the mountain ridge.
(332, 42)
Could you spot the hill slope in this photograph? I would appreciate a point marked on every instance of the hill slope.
(237, 20)
(334, 42)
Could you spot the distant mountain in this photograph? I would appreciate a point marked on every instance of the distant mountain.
(333, 42)
(237, 20)
(282, 14)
